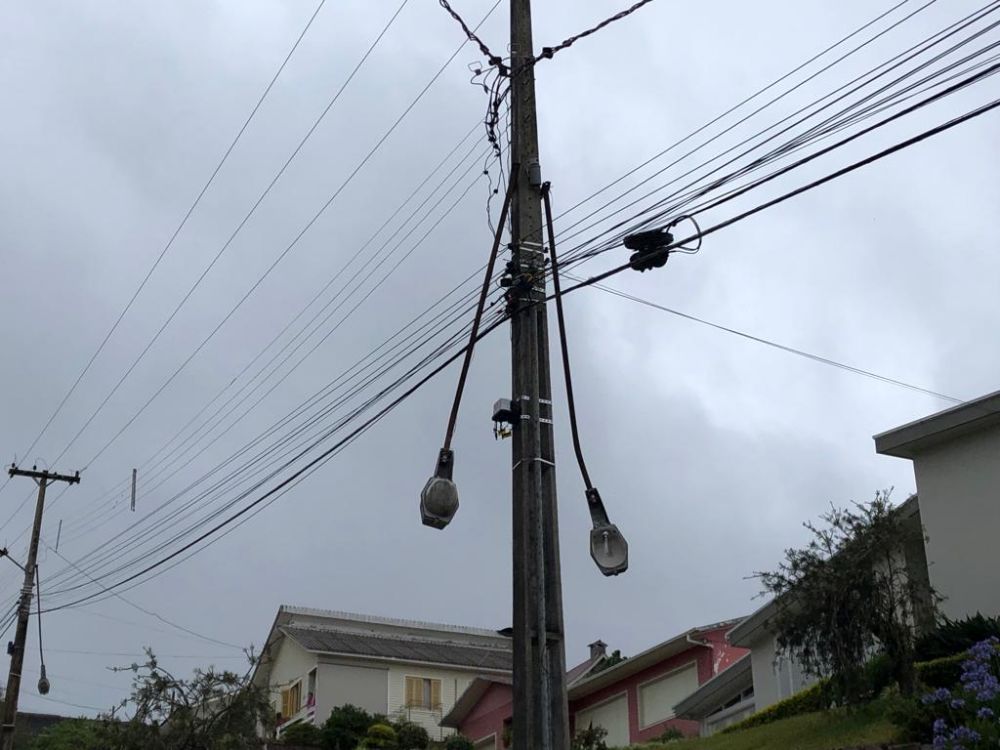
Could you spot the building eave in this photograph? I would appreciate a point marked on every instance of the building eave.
(737, 677)
(908, 440)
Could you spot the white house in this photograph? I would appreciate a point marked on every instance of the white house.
(315, 660)
(956, 461)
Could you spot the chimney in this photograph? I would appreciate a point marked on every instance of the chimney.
(598, 649)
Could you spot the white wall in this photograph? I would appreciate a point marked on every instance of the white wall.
(775, 677)
(958, 484)
(364, 686)
(291, 663)
(453, 684)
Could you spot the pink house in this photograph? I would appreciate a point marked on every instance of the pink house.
(633, 700)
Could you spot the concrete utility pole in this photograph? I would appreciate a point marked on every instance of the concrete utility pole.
(43, 479)
(541, 720)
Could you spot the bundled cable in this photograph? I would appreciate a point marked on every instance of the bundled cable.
(607, 544)
(439, 498)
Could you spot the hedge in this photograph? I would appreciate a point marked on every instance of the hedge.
(805, 701)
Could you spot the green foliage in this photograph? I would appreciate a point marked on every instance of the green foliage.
(346, 727)
(211, 709)
(458, 742)
(952, 637)
(814, 698)
(302, 733)
(845, 595)
(670, 734)
(940, 673)
(411, 736)
(591, 738)
(380, 736)
(72, 734)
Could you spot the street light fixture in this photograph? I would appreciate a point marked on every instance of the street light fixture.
(607, 544)
(439, 498)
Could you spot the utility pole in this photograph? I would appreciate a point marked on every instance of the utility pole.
(541, 720)
(43, 479)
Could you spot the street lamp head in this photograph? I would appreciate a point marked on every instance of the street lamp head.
(43, 683)
(439, 498)
(608, 547)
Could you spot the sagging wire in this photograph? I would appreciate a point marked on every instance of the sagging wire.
(607, 544)
(439, 498)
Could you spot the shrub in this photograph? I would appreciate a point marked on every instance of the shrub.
(380, 736)
(953, 637)
(670, 734)
(346, 727)
(458, 742)
(411, 736)
(814, 698)
(302, 734)
(591, 738)
(941, 673)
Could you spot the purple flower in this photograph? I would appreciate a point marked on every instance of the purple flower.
(958, 703)
(938, 696)
(940, 726)
(940, 742)
(984, 713)
(965, 733)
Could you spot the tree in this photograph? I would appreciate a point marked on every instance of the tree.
(212, 710)
(846, 596)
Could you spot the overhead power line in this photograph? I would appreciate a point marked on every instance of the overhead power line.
(774, 344)
(180, 226)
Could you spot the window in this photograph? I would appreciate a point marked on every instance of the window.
(291, 700)
(658, 697)
(422, 692)
(311, 691)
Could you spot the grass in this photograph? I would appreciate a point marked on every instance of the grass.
(823, 730)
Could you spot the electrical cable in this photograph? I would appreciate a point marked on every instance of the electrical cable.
(177, 231)
(563, 345)
(774, 344)
(474, 330)
(233, 236)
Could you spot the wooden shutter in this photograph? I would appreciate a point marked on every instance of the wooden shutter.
(435, 694)
(285, 703)
(414, 691)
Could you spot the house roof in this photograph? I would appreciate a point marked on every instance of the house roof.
(582, 669)
(333, 614)
(401, 648)
(470, 697)
(640, 661)
(910, 439)
(717, 691)
(326, 631)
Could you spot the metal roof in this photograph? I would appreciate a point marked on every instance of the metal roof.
(330, 641)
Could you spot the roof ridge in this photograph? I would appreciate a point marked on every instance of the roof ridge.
(394, 637)
(380, 620)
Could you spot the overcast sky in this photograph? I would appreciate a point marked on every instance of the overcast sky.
(709, 450)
